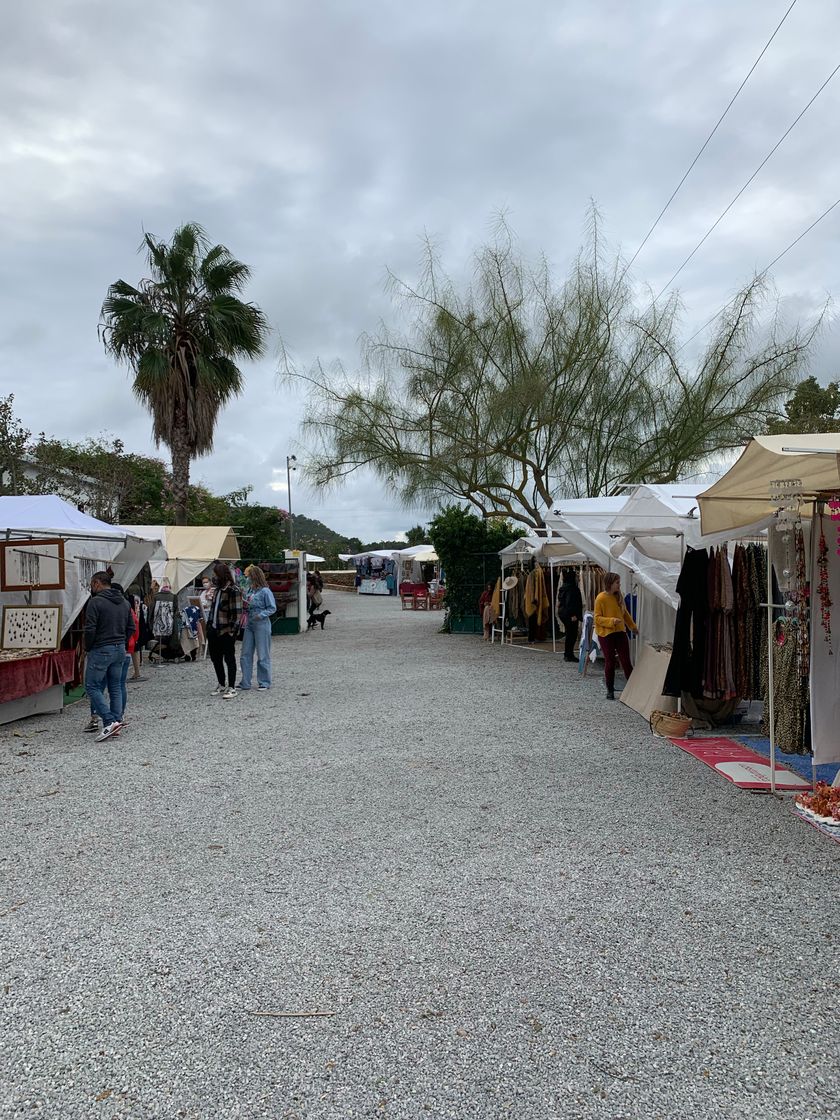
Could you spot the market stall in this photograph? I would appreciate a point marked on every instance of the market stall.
(375, 571)
(287, 581)
(48, 552)
(188, 552)
(520, 609)
(661, 524)
(794, 481)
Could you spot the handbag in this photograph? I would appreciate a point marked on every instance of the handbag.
(241, 625)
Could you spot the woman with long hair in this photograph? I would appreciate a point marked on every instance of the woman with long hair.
(612, 621)
(261, 605)
(222, 626)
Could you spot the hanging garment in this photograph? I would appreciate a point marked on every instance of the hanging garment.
(756, 630)
(536, 602)
(516, 602)
(719, 679)
(825, 645)
(790, 690)
(163, 614)
(191, 617)
(685, 670)
(496, 601)
(536, 605)
(740, 621)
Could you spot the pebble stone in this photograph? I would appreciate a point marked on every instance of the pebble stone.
(515, 900)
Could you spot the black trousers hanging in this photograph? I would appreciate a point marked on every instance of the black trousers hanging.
(222, 651)
(571, 638)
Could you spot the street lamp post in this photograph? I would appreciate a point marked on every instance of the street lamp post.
(290, 460)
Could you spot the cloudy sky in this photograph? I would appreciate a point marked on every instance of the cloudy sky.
(319, 141)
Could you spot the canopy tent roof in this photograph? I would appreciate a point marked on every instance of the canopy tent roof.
(660, 521)
(89, 544)
(586, 522)
(422, 553)
(311, 558)
(352, 557)
(47, 513)
(549, 549)
(187, 550)
(801, 464)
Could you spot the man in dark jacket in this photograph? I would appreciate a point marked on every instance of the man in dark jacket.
(108, 626)
(570, 611)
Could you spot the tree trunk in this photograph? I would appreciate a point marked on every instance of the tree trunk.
(180, 472)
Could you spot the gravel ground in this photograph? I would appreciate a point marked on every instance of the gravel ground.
(515, 900)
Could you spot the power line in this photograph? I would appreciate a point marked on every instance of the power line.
(711, 134)
(764, 271)
(775, 148)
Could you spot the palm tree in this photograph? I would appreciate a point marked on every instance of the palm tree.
(182, 332)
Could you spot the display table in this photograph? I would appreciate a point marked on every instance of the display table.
(35, 685)
(374, 587)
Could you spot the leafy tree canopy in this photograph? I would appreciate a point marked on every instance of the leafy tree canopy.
(812, 409)
(468, 547)
(181, 332)
(517, 389)
(418, 535)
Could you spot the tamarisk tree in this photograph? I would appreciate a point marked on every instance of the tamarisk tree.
(516, 390)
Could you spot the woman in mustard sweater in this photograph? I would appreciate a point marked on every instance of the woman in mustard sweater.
(612, 620)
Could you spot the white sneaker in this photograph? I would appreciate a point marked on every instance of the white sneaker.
(107, 732)
(228, 693)
(219, 690)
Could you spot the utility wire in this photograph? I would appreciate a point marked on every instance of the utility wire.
(709, 137)
(763, 273)
(775, 148)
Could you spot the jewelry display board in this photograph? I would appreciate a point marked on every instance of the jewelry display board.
(32, 565)
(36, 627)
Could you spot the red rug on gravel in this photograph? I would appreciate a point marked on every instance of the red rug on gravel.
(739, 764)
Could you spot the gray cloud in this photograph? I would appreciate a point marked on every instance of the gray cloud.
(320, 141)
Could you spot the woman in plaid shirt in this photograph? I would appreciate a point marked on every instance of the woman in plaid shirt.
(222, 626)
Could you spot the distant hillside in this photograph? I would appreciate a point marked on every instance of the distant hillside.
(319, 538)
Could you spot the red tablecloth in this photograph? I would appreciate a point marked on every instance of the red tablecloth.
(34, 674)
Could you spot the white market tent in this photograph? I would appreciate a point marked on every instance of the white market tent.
(89, 544)
(352, 557)
(312, 559)
(187, 550)
(660, 522)
(422, 553)
(542, 549)
(586, 523)
(407, 561)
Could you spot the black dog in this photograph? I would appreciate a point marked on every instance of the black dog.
(314, 619)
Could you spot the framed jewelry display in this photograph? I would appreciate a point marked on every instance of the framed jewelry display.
(37, 627)
(32, 565)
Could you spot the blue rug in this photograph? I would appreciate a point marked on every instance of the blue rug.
(799, 763)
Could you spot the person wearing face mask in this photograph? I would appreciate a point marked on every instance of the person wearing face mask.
(206, 597)
(261, 605)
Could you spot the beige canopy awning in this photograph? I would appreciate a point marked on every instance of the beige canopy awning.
(187, 550)
(770, 465)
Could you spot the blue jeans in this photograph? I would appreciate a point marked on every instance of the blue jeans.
(257, 637)
(104, 669)
(123, 689)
